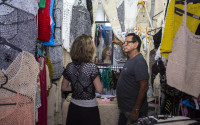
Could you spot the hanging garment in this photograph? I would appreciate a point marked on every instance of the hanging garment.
(22, 76)
(55, 54)
(95, 7)
(130, 13)
(67, 15)
(183, 69)
(44, 27)
(29, 6)
(41, 4)
(42, 111)
(51, 41)
(173, 22)
(157, 38)
(20, 114)
(58, 20)
(110, 10)
(19, 28)
(120, 12)
(80, 23)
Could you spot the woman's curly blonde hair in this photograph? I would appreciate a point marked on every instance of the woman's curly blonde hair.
(82, 49)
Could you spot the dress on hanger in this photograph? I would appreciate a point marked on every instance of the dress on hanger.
(67, 16)
(120, 12)
(22, 76)
(110, 10)
(19, 28)
(130, 13)
(183, 63)
(80, 23)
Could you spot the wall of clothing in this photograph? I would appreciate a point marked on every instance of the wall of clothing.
(36, 36)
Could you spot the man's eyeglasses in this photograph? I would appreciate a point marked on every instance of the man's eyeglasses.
(127, 42)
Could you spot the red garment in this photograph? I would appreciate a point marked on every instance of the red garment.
(42, 111)
(44, 27)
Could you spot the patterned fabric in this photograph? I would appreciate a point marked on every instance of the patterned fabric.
(58, 6)
(22, 76)
(111, 12)
(55, 54)
(20, 114)
(173, 23)
(81, 78)
(120, 12)
(130, 13)
(183, 63)
(67, 15)
(19, 28)
(29, 6)
(80, 22)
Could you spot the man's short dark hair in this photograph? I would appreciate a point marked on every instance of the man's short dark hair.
(135, 38)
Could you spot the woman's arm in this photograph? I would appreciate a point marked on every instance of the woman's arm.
(97, 84)
(65, 85)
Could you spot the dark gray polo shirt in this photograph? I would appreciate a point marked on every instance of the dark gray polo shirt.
(128, 85)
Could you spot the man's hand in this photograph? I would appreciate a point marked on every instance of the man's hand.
(134, 116)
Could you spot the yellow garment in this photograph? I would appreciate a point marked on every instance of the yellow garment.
(173, 22)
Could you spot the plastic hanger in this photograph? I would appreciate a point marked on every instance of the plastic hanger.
(181, 12)
(1, 87)
(3, 41)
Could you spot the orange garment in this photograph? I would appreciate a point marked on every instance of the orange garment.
(22, 77)
(20, 114)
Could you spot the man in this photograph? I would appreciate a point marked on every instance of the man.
(132, 84)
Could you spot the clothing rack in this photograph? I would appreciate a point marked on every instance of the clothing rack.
(102, 22)
(111, 67)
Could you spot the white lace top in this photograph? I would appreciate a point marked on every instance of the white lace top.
(67, 14)
(130, 13)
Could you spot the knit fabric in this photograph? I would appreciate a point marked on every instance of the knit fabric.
(22, 76)
(42, 3)
(183, 63)
(67, 15)
(130, 13)
(20, 114)
(120, 12)
(42, 111)
(81, 78)
(173, 22)
(110, 10)
(95, 7)
(80, 23)
(19, 28)
(29, 6)
(55, 54)
(51, 41)
(44, 27)
(50, 67)
(58, 12)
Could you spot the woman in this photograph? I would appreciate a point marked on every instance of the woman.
(84, 78)
(106, 55)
